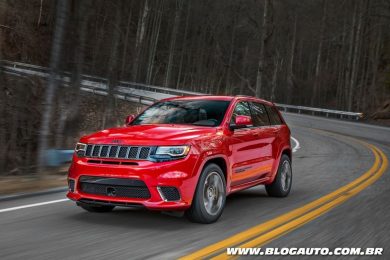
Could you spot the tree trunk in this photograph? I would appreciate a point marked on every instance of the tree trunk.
(228, 82)
(126, 41)
(375, 64)
(264, 32)
(290, 71)
(244, 69)
(47, 108)
(352, 84)
(277, 64)
(112, 70)
(340, 68)
(167, 80)
(141, 32)
(3, 85)
(154, 40)
(70, 108)
(183, 46)
(319, 53)
(350, 54)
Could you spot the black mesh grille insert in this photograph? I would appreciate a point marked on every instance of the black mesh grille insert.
(96, 150)
(133, 153)
(170, 193)
(104, 151)
(144, 153)
(89, 150)
(122, 152)
(114, 187)
(113, 151)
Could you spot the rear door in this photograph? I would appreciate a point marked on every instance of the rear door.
(278, 127)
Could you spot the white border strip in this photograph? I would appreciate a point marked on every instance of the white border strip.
(33, 205)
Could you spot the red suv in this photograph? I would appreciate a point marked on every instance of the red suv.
(184, 154)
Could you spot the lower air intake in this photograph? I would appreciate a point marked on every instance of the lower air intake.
(71, 185)
(114, 187)
(169, 193)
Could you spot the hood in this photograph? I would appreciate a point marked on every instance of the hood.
(149, 135)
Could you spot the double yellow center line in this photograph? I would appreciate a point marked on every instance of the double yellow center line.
(272, 229)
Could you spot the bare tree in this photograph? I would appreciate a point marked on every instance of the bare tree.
(319, 55)
(154, 37)
(47, 107)
(355, 60)
(290, 69)
(139, 40)
(263, 38)
(112, 68)
(179, 5)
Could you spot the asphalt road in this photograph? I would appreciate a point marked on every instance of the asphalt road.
(325, 161)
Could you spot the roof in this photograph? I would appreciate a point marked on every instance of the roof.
(205, 97)
(211, 97)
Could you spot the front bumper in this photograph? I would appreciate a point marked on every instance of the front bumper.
(180, 174)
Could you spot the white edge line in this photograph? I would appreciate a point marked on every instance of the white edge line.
(32, 205)
(297, 145)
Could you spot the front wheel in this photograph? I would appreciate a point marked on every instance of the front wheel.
(281, 185)
(210, 196)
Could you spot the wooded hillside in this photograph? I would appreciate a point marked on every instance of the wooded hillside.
(323, 53)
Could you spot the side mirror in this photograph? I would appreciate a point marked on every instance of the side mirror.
(129, 119)
(241, 122)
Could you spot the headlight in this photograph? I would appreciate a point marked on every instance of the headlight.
(168, 153)
(80, 149)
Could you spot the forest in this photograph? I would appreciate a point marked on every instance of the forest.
(322, 53)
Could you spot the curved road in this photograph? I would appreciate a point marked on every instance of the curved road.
(328, 159)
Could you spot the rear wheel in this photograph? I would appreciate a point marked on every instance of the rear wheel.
(281, 185)
(97, 208)
(210, 196)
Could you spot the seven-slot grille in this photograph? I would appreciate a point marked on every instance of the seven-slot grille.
(118, 151)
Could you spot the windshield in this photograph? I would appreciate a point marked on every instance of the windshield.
(193, 112)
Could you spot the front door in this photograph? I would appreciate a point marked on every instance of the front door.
(245, 148)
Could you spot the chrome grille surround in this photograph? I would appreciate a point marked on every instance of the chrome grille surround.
(118, 151)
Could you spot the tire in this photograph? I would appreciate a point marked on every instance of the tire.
(210, 196)
(281, 185)
(98, 208)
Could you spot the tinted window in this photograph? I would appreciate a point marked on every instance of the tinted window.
(259, 114)
(241, 109)
(194, 112)
(273, 116)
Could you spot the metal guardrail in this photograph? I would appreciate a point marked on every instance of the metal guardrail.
(40, 71)
(320, 111)
(143, 93)
(140, 93)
